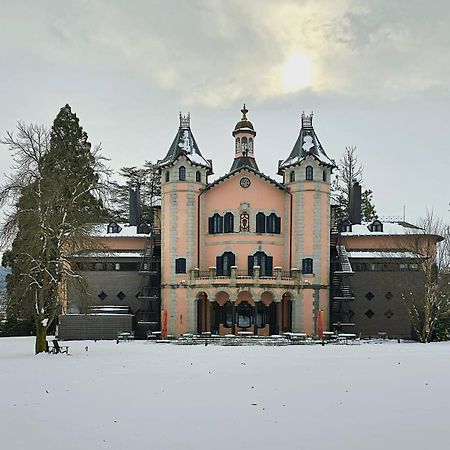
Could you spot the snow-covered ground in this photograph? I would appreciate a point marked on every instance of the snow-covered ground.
(139, 395)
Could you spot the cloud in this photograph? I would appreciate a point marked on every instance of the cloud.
(211, 52)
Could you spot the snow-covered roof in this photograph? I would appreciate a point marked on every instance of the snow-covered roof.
(383, 255)
(184, 144)
(307, 144)
(250, 169)
(108, 254)
(396, 228)
(124, 230)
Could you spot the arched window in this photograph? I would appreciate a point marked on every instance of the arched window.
(182, 173)
(198, 176)
(216, 224)
(244, 144)
(167, 175)
(250, 144)
(273, 224)
(309, 173)
(264, 262)
(244, 315)
(324, 175)
(228, 223)
(224, 264)
(238, 144)
(307, 265)
(260, 222)
(180, 265)
(292, 176)
(227, 319)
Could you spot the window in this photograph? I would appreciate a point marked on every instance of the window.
(244, 222)
(250, 144)
(228, 223)
(224, 264)
(307, 265)
(244, 145)
(260, 222)
(345, 226)
(376, 226)
(227, 318)
(273, 224)
(113, 228)
(292, 176)
(309, 173)
(324, 175)
(180, 265)
(182, 173)
(260, 314)
(216, 224)
(167, 175)
(264, 262)
(198, 176)
(238, 144)
(244, 313)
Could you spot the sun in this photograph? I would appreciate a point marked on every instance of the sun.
(296, 72)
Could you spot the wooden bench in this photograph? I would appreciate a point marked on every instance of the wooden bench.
(55, 348)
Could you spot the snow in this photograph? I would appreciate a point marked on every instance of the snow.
(384, 255)
(107, 254)
(388, 229)
(101, 230)
(149, 396)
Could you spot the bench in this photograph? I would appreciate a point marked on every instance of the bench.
(125, 336)
(55, 348)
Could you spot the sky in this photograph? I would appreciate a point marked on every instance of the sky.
(374, 72)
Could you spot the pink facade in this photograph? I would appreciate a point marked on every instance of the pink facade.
(245, 252)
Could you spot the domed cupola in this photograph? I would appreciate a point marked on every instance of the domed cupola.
(244, 135)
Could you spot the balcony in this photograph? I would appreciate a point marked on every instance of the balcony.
(238, 277)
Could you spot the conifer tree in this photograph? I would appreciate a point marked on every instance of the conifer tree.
(58, 186)
(350, 171)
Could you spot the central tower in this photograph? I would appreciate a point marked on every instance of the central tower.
(244, 137)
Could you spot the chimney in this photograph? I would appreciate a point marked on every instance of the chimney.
(134, 213)
(355, 203)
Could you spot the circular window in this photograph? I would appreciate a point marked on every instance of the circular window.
(245, 182)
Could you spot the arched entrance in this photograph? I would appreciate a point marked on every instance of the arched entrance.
(285, 320)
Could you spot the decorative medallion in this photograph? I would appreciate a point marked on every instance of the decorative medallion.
(245, 182)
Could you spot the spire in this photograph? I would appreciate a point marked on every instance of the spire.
(244, 135)
(307, 144)
(184, 144)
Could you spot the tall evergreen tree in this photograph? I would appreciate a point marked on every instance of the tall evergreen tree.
(58, 186)
(149, 182)
(350, 171)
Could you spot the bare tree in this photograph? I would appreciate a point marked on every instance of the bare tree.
(53, 195)
(430, 249)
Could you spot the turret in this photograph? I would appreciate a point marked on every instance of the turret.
(184, 173)
(244, 138)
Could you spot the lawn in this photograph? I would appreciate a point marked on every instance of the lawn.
(139, 395)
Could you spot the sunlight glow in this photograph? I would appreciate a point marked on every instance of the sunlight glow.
(297, 72)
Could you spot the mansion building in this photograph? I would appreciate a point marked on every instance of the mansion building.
(245, 252)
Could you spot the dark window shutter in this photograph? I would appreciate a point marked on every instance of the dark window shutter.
(269, 266)
(260, 222)
(278, 226)
(250, 265)
(220, 224)
(232, 259)
(211, 225)
(228, 223)
(219, 266)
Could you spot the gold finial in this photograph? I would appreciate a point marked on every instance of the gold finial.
(244, 112)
